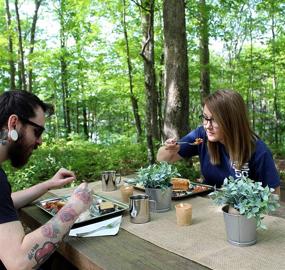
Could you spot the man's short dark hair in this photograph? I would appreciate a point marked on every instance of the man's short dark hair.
(21, 103)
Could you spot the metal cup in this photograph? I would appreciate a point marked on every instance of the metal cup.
(110, 179)
(139, 208)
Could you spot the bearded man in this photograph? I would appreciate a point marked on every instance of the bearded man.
(22, 120)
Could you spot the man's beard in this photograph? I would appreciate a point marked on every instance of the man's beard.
(19, 152)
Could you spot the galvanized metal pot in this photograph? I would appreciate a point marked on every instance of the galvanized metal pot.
(162, 197)
(241, 231)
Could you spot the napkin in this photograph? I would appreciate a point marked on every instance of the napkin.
(101, 228)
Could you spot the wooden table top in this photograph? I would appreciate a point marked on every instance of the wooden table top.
(123, 251)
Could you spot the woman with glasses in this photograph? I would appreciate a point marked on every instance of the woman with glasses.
(225, 144)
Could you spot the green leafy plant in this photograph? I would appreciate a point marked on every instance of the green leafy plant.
(249, 198)
(157, 175)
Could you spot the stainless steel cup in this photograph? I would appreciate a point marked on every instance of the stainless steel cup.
(110, 179)
(139, 208)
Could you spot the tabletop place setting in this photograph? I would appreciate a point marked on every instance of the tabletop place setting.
(104, 216)
(147, 206)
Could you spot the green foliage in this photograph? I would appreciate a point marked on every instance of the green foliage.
(248, 197)
(189, 169)
(157, 175)
(86, 159)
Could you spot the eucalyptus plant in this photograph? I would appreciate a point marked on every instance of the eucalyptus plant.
(157, 175)
(249, 198)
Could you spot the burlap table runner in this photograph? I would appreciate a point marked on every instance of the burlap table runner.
(205, 240)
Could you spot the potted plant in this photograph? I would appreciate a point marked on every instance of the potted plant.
(245, 204)
(156, 180)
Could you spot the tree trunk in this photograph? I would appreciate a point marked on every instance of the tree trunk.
(160, 97)
(10, 46)
(250, 99)
(63, 67)
(274, 81)
(134, 100)
(85, 119)
(147, 54)
(176, 123)
(204, 50)
(32, 44)
(21, 50)
(77, 116)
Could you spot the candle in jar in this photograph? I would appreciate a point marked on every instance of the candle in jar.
(126, 192)
(183, 214)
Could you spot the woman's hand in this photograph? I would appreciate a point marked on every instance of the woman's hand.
(171, 145)
(169, 151)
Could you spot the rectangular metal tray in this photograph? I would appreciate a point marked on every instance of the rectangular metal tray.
(92, 215)
(197, 189)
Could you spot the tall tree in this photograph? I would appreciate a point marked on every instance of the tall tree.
(134, 100)
(10, 46)
(63, 68)
(176, 117)
(204, 49)
(22, 73)
(147, 53)
(272, 13)
(32, 44)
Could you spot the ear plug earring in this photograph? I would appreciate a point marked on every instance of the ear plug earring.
(13, 134)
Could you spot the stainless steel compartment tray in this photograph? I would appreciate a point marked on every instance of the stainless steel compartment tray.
(92, 215)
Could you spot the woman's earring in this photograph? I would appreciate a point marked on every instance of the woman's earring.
(13, 134)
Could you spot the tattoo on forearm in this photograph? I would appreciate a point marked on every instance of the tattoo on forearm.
(83, 195)
(51, 229)
(43, 253)
(3, 137)
(67, 214)
(32, 252)
(67, 233)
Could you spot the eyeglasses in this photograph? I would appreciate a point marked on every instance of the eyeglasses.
(207, 120)
(38, 130)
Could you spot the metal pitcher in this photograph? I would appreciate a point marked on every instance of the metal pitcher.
(140, 208)
(110, 179)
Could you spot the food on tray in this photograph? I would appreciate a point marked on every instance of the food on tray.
(84, 216)
(180, 184)
(199, 188)
(106, 207)
(198, 141)
(54, 206)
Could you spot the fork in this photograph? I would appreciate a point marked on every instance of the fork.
(187, 143)
(108, 226)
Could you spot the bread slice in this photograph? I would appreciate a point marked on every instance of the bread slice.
(180, 184)
(106, 207)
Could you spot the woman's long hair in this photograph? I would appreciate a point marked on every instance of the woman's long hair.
(230, 113)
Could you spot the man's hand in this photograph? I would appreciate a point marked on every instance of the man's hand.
(82, 196)
(61, 178)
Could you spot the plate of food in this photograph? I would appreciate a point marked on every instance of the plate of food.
(181, 188)
(102, 208)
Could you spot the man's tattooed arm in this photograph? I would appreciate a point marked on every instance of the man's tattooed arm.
(58, 227)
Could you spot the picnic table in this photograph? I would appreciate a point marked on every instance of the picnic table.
(161, 244)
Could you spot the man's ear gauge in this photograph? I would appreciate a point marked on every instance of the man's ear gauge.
(13, 134)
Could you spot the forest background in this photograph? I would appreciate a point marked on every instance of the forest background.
(124, 75)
